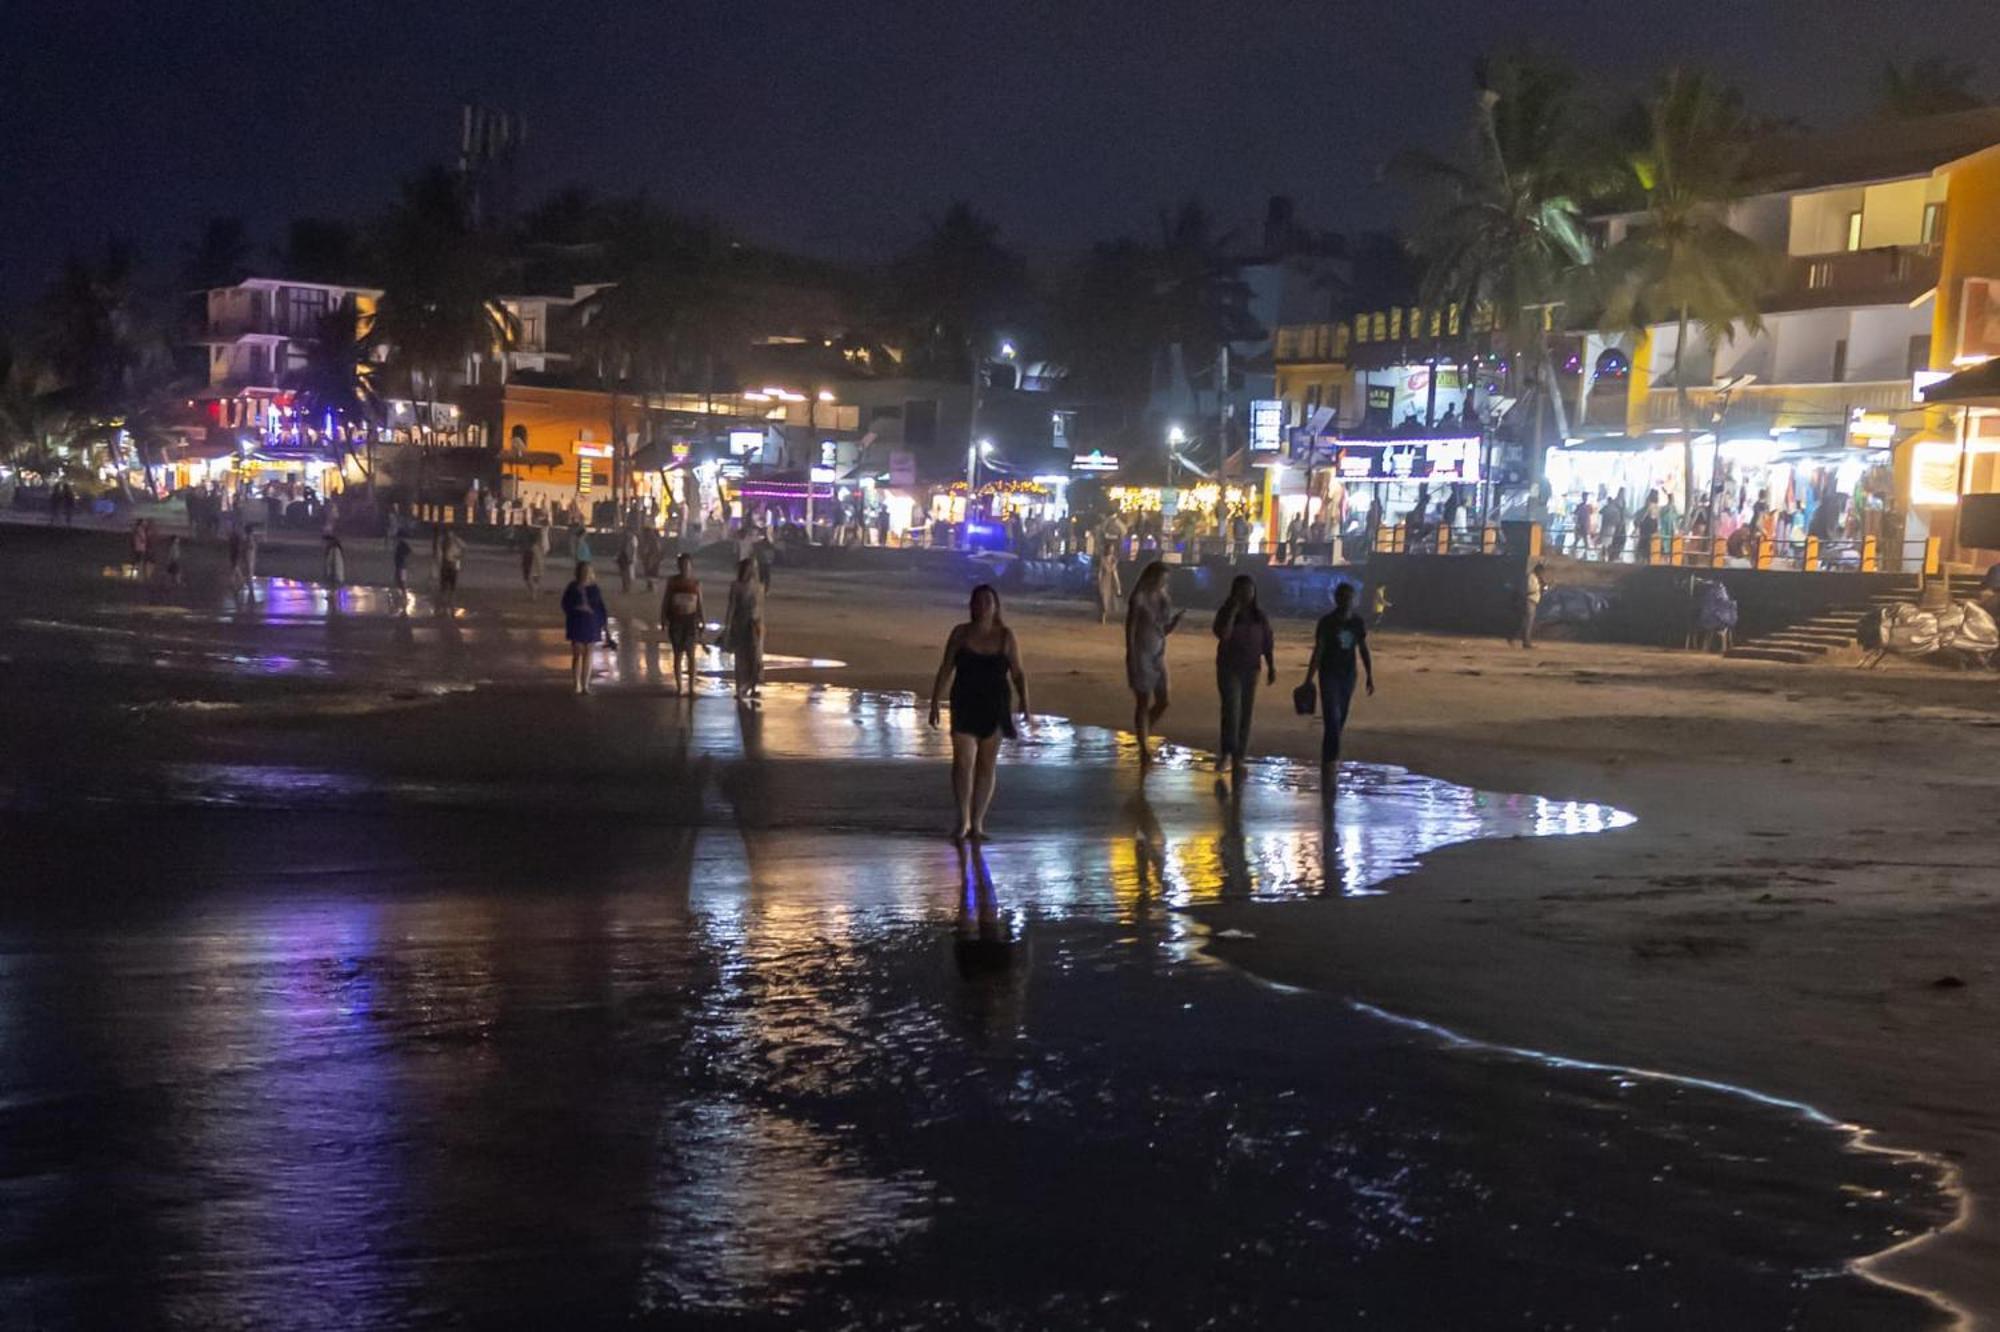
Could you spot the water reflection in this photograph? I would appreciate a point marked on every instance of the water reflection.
(695, 1013)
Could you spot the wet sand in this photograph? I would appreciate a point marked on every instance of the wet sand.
(1813, 856)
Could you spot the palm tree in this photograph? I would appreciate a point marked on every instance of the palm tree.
(1927, 86)
(107, 355)
(1200, 301)
(338, 379)
(1507, 227)
(673, 316)
(440, 305)
(954, 291)
(1680, 261)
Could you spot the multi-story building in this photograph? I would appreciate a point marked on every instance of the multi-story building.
(261, 330)
(1820, 406)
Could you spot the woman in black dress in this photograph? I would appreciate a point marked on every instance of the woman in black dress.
(980, 662)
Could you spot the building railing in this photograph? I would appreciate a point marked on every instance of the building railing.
(1827, 404)
(1850, 277)
(1794, 554)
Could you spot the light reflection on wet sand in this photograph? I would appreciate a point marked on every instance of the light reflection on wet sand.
(383, 1041)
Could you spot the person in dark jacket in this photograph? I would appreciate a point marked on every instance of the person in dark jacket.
(583, 623)
(1243, 644)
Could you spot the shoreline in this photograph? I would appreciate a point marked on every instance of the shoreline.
(1805, 906)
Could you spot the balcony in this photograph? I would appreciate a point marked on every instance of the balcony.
(1890, 275)
(1774, 405)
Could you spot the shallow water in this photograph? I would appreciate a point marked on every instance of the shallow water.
(499, 1006)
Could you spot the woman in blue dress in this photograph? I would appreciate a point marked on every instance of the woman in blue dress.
(583, 623)
(980, 662)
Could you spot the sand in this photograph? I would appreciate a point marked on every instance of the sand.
(1807, 906)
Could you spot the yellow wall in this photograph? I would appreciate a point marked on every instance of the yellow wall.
(1971, 244)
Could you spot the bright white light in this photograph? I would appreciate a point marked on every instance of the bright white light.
(826, 395)
(1176, 436)
(986, 448)
(1006, 350)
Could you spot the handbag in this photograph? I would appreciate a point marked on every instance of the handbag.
(1305, 699)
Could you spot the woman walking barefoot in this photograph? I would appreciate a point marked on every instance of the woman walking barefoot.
(743, 628)
(583, 623)
(980, 661)
(1243, 643)
(1149, 618)
(682, 613)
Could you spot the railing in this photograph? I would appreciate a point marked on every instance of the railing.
(1797, 554)
(1825, 402)
(1855, 277)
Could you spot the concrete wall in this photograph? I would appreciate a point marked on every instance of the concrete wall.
(1474, 594)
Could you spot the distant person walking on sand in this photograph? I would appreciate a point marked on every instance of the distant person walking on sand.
(534, 555)
(451, 559)
(1106, 583)
(743, 628)
(584, 619)
(173, 561)
(1340, 636)
(1149, 618)
(981, 660)
(402, 564)
(141, 557)
(1531, 604)
(651, 552)
(247, 562)
(628, 555)
(1243, 641)
(682, 612)
(335, 559)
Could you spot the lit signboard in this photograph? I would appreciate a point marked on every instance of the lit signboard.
(1440, 460)
(1267, 426)
(590, 448)
(1095, 461)
(742, 442)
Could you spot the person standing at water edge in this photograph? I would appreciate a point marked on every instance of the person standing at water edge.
(1243, 640)
(743, 628)
(451, 558)
(402, 561)
(682, 613)
(583, 624)
(980, 661)
(1149, 618)
(1340, 637)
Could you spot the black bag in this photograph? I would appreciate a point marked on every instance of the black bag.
(1305, 699)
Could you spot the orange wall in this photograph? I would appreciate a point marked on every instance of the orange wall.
(1971, 244)
(555, 420)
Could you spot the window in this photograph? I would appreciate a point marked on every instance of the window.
(1819, 274)
(1920, 354)
(1933, 231)
(1381, 326)
(531, 332)
(1396, 322)
(1839, 361)
(306, 306)
(1854, 230)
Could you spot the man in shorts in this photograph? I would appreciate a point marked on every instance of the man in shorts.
(682, 613)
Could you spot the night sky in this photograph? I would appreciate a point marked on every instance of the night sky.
(835, 127)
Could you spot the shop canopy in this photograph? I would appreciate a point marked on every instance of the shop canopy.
(1978, 387)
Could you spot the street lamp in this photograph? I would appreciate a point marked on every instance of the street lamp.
(1176, 440)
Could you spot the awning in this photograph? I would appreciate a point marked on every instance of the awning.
(1623, 443)
(1979, 386)
(533, 460)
